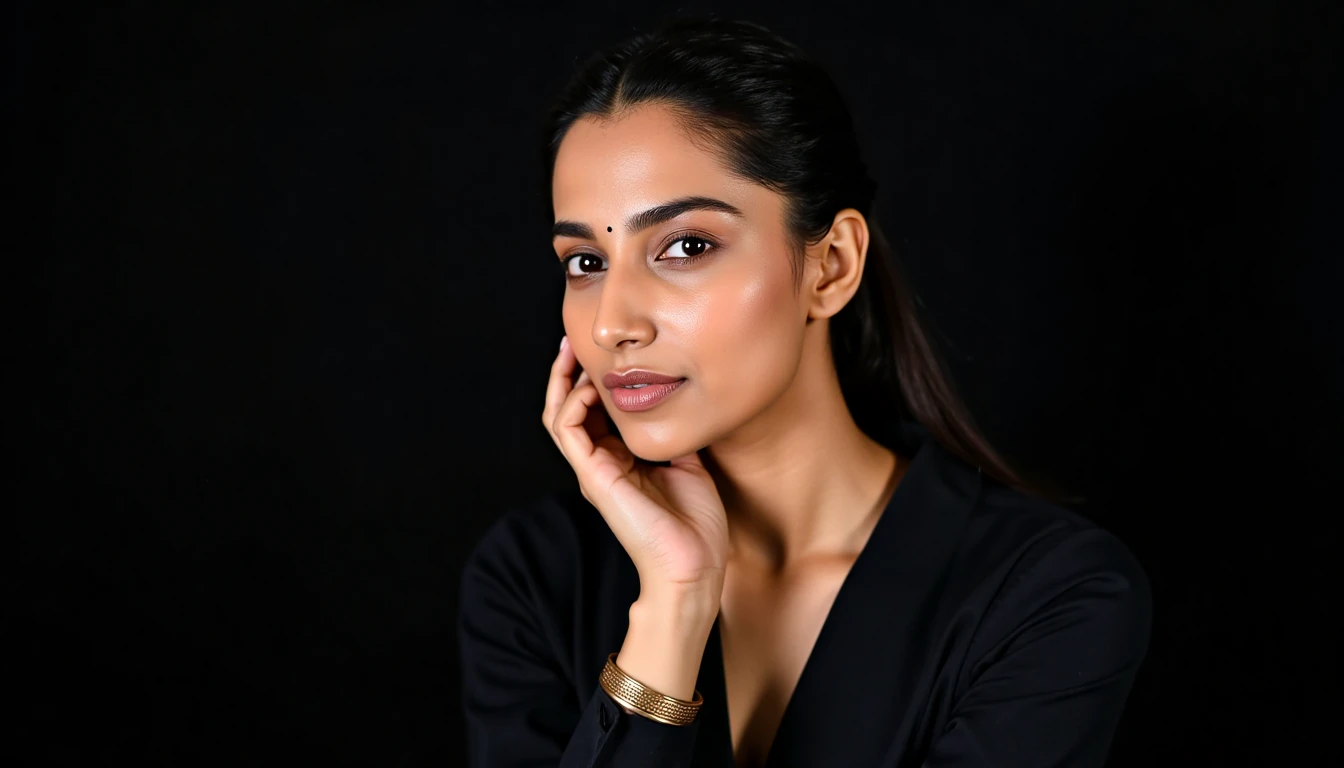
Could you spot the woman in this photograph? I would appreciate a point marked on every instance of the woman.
(789, 546)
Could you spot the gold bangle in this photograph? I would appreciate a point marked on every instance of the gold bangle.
(633, 694)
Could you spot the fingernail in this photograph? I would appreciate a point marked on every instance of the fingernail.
(564, 342)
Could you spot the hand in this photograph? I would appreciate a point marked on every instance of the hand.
(670, 520)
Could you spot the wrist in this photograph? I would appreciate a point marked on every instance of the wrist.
(688, 610)
(665, 641)
(686, 614)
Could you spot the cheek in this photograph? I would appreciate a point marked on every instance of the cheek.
(578, 322)
(751, 337)
(569, 315)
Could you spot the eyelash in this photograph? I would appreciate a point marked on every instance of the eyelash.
(677, 238)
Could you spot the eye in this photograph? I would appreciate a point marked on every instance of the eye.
(576, 265)
(683, 250)
(688, 247)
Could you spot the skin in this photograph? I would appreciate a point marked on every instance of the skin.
(774, 489)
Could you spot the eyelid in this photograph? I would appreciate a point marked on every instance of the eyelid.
(667, 243)
(686, 234)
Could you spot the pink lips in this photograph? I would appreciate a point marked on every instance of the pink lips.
(643, 398)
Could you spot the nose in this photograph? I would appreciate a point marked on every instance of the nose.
(621, 321)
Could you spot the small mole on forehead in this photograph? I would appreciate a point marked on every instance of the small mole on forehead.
(608, 229)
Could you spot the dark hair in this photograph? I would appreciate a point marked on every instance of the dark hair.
(778, 119)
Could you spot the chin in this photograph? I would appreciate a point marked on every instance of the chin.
(658, 444)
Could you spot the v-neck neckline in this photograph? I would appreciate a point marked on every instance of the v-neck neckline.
(896, 536)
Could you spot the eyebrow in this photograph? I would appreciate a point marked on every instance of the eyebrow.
(652, 217)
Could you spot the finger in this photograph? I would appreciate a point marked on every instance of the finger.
(596, 421)
(558, 387)
(568, 426)
(595, 411)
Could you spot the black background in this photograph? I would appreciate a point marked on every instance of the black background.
(293, 304)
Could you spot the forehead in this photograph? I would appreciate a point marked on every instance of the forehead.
(641, 158)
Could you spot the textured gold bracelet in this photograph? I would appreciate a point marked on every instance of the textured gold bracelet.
(633, 694)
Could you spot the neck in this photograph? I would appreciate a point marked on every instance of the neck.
(802, 479)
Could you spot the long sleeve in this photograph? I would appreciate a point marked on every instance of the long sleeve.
(522, 705)
(1060, 656)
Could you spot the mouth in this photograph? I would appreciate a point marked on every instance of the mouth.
(637, 379)
(643, 396)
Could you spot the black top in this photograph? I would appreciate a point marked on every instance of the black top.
(978, 627)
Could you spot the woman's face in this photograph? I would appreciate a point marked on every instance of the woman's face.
(703, 293)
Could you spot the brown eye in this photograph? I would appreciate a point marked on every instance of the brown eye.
(688, 248)
(587, 263)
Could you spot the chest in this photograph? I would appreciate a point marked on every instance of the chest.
(769, 624)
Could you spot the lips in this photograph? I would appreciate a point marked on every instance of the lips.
(652, 389)
(630, 378)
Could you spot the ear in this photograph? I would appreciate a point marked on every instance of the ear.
(835, 265)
